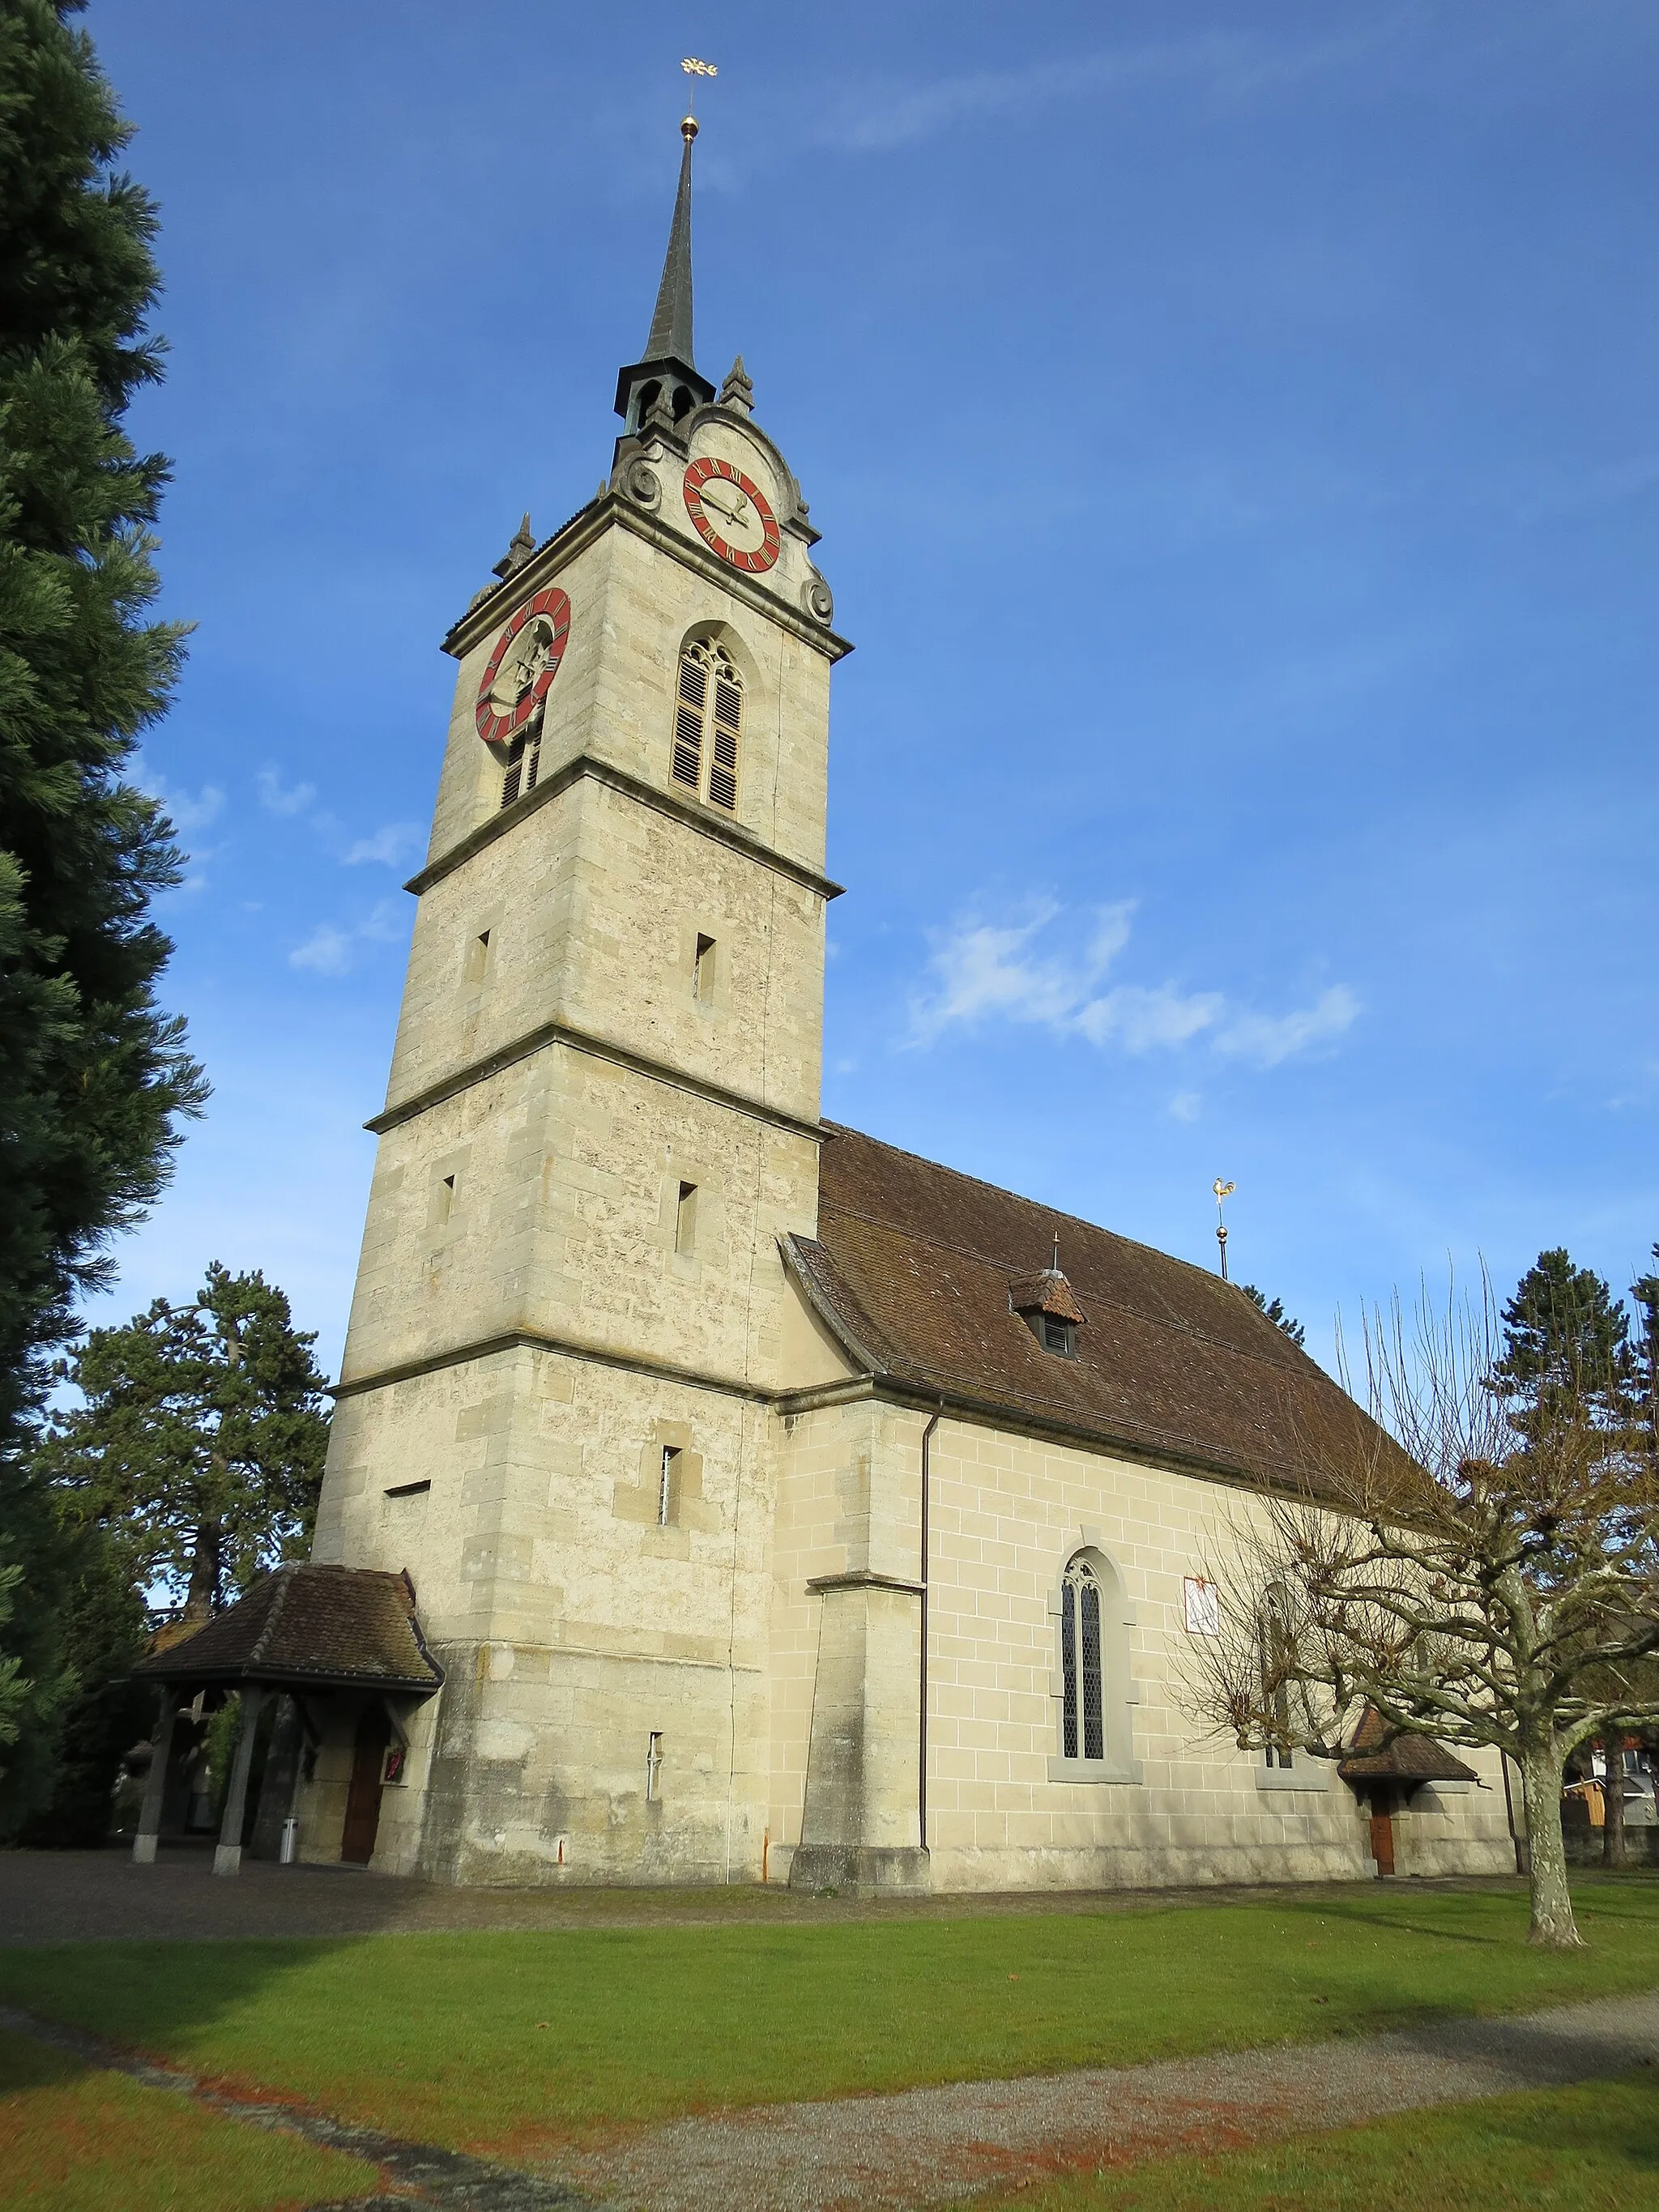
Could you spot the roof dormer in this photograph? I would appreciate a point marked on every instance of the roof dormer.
(1049, 1308)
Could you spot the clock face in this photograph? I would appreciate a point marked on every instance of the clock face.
(730, 514)
(523, 666)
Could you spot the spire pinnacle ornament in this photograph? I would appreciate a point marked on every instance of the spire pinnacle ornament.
(517, 552)
(737, 391)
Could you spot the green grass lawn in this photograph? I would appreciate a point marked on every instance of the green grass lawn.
(73, 2140)
(509, 2041)
(1590, 2150)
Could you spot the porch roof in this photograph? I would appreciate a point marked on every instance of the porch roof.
(304, 1626)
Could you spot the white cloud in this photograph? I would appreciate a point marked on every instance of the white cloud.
(332, 951)
(982, 970)
(186, 812)
(389, 845)
(327, 950)
(1186, 1106)
(1227, 66)
(277, 799)
(985, 970)
(1268, 1039)
(387, 924)
(1140, 1020)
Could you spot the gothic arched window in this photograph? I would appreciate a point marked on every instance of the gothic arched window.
(1083, 1723)
(707, 724)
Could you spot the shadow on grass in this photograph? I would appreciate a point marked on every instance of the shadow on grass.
(465, 2038)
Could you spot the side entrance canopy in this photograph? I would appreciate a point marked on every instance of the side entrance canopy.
(301, 1627)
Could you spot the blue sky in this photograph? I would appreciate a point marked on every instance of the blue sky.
(1231, 429)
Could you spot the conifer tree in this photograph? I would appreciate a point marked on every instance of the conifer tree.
(94, 1075)
(1275, 1313)
(199, 1445)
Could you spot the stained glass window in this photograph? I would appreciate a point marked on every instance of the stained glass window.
(1083, 1726)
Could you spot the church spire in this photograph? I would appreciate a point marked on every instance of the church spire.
(657, 393)
(671, 326)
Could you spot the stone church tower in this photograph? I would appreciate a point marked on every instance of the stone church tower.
(601, 1121)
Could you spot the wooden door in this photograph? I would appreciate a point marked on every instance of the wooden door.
(1382, 1836)
(362, 1814)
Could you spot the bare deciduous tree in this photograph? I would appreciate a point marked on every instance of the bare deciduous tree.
(1468, 1572)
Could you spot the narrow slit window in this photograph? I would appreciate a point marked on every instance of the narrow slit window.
(654, 1764)
(702, 969)
(477, 957)
(443, 1201)
(709, 725)
(685, 1218)
(1083, 1719)
(668, 1488)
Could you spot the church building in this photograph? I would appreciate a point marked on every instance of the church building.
(742, 1499)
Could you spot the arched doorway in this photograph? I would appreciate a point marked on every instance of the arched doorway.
(362, 1814)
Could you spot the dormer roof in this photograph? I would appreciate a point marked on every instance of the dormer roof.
(1048, 1294)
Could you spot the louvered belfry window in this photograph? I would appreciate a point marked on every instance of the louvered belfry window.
(1083, 1724)
(524, 760)
(707, 724)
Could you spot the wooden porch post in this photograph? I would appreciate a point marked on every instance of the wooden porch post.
(227, 1858)
(155, 1782)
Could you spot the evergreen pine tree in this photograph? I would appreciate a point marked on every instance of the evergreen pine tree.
(93, 1074)
(1275, 1313)
(1566, 1354)
(199, 1445)
(1645, 1292)
(1567, 1366)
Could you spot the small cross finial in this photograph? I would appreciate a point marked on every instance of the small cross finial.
(1056, 1265)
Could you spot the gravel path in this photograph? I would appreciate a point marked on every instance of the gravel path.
(935, 2146)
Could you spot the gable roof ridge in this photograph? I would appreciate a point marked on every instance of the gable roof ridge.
(1001, 1190)
(1098, 1298)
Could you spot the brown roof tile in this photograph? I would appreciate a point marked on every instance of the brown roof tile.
(306, 1623)
(1046, 1293)
(1407, 1759)
(912, 1267)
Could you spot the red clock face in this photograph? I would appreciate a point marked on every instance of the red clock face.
(730, 514)
(523, 666)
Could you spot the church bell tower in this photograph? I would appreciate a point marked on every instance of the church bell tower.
(602, 1117)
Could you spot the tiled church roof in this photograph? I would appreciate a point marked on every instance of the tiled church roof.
(912, 1267)
(302, 1624)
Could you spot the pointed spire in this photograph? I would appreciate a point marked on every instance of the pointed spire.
(671, 326)
(737, 391)
(663, 388)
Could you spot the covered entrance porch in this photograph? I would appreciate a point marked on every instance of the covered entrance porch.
(327, 1643)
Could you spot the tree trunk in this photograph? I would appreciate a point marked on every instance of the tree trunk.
(1552, 1927)
(1613, 1833)
(204, 1589)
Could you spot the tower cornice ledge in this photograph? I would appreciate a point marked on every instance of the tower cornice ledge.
(691, 811)
(597, 1047)
(614, 509)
